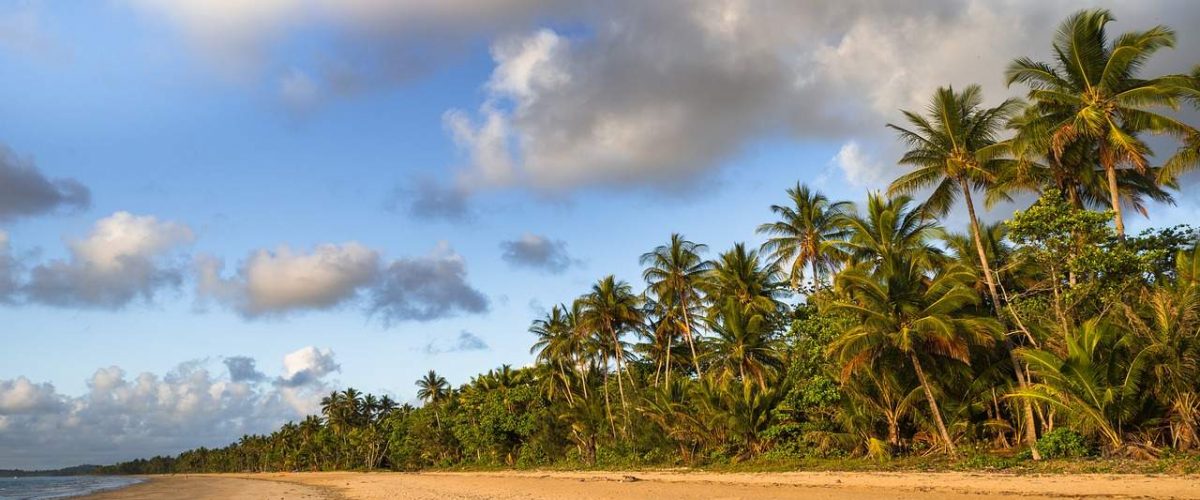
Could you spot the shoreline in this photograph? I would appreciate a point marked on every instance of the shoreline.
(623, 485)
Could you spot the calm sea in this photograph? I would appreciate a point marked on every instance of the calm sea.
(13, 488)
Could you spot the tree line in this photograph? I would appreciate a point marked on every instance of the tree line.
(862, 329)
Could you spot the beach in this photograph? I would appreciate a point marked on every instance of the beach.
(674, 485)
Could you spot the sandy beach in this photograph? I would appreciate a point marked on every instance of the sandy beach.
(674, 485)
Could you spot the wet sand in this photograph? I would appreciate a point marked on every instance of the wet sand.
(673, 485)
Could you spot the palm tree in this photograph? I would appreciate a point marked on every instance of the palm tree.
(611, 309)
(674, 272)
(1092, 94)
(901, 310)
(555, 343)
(740, 276)
(801, 236)
(432, 388)
(889, 228)
(944, 148)
(744, 347)
(948, 149)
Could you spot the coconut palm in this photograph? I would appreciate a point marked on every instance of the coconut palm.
(944, 148)
(743, 345)
(901, 312)
(1092, 94)
(432, 388)
(556, 344)
(800, 238)
(740, 276)
(674, 273)
(889, 228)
(611, 310)
(948, 147)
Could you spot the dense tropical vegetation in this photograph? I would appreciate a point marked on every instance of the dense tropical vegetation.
(870, 329)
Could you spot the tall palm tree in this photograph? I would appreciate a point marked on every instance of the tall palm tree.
(948, 149)
(555, 343)
(801, 236)
(889, 228)
(1092, 93)
(744, 347)
(432, 388)
(739, 275)
(674, 273)
(901, 312)
(611, 309)
(944, 148)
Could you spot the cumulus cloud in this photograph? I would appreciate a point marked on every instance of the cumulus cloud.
(426, 288)
(379, 42)
(307, 366)
(656, 93)
(282, 281)
(537, 252)
(859, 167)
(465, 341)
(124, 416)
(243, 369)
(25, 191)
(123, 258)
(20, 396)
(660, 92)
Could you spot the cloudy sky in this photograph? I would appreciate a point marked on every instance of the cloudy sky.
(214, 211)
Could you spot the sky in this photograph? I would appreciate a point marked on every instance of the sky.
(213, 212)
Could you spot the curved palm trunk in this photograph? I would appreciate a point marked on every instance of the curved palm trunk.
(566, 383)
(1031, 435)
(607, 404)
(620, 368)
(670, 338)
(1110, 171)
(990, 279)
(933, 406)
(687, 333)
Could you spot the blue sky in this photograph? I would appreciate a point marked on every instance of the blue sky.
(258, 136)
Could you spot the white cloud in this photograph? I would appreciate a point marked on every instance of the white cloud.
(123, 416)
(285, 280)
(123, 258)
(22, 396)
(660, 93)
(860, 168)
(306, 366)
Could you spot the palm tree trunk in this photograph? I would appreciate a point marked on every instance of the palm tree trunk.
(933, 406)
(1110, 170)
(687, 332)
(566, 383)
(990, 279)
(620, 368)
(670, 338)
(607, 404)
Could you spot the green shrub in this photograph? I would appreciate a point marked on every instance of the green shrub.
(1064, 443)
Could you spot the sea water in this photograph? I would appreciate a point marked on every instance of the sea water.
(37, 488)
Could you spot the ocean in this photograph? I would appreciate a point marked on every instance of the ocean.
(37, 488)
